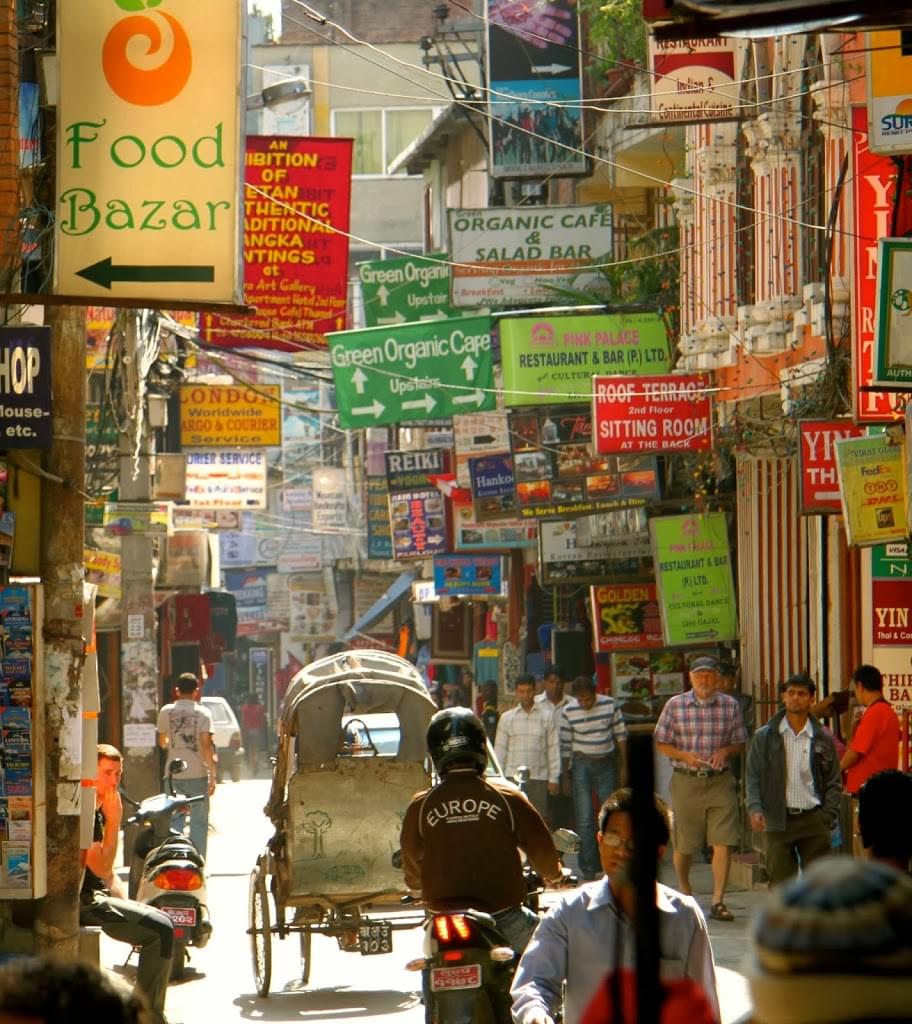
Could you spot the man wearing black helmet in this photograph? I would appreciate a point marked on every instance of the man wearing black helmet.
(461, 839)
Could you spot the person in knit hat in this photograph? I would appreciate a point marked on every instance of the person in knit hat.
(835, 945)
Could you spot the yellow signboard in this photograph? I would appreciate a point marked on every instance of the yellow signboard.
(889, 82)
(872, 485)
(225, 416)
(149, 150)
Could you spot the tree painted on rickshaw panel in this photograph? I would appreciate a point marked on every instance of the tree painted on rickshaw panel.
(316, 823)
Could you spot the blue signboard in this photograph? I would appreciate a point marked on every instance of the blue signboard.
(468, 576)
(493, 487)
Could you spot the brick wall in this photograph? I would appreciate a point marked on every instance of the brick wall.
(374, 21)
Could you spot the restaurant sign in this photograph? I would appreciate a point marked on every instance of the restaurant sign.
(626, 616)
(652, 414)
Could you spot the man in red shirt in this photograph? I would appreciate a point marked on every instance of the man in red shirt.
(874, 746)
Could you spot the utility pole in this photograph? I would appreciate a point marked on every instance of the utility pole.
(138, 645)
(62, 544)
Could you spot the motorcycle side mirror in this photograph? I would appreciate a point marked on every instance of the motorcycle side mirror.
(176, 766)
(523, 774)
(396, 860)
(566, 841)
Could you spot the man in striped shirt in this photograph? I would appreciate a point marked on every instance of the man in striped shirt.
(527, 736)
(700, 730)
(593, 740)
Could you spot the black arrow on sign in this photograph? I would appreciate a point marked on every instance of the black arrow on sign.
(104, 273)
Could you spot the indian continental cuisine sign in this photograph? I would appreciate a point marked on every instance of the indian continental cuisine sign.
(223, 415)
(694, 576)
(148, 153)
(510, 257)
(872, 484)
(553, 359)
(693, 80)
(296, 219)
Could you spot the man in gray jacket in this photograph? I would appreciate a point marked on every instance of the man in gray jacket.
(793, 783)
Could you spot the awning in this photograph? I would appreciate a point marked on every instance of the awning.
(400, 587)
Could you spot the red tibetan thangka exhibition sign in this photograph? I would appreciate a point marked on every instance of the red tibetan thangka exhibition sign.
(297, 197)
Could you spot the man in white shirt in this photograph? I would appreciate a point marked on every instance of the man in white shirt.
(552, 697)
(527, 736)
(794, 786)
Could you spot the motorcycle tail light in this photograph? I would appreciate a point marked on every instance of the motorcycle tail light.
(179, 879)
(453, 929)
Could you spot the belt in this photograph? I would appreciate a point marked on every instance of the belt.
(592, 757)
(701, 773)
(802, 810)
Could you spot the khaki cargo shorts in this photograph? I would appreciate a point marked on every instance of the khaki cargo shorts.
(705, 811)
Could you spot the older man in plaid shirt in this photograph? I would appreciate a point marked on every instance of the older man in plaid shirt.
(699, 731)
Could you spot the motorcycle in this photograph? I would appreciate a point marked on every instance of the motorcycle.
(167, 871)
(469, 965)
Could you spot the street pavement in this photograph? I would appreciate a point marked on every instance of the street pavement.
(219, 984)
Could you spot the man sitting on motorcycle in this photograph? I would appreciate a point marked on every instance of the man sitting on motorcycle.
(100, 899)
(461, 839)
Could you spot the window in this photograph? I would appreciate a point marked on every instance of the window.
(380, 135)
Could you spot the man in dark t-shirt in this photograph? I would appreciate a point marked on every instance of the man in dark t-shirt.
(101, 897)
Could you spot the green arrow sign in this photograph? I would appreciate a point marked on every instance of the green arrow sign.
(413, 371)
(404, 290)
(105, 272)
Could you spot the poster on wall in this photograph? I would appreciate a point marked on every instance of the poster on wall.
(558, 475)
(872, 484)
(694, 575)
(625, 616)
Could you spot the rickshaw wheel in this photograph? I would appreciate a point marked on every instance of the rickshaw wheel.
(305, 956)
(260, 932)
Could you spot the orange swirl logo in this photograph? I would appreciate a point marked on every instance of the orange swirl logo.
(147, 86)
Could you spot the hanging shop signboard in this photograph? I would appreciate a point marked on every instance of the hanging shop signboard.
(522, 256)
(889, 90)
(434, 367)
(225, 415)
(407, 470)
(624, 531)
(872, 483)
(565, 558)
(418, 523)
(557, 474)
(471, 535)
(493, 487)
(817, 461)
(405, 290)
(891, 613)
(296, 222)
(648, 674)
(893, 320)
(149, 150)
(693, 81)
(330, 499)
(626, 616)
(476, 434)
(379, 534)
(468, 576)
(226, 478)
(534, 75)
(873, 181)
(694, 576)
(553, 359)
(261, 600)
(671, 413)
(25, 387)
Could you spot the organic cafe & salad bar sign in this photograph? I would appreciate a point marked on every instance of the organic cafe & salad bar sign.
(149, 149)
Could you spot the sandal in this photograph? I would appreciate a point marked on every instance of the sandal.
(719, 912)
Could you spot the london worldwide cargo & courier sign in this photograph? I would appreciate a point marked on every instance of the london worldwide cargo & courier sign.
(552, 359)
(412, 372)
(148, 152)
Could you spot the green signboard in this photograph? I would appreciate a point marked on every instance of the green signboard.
(549, 360)
(404, 290)
(694, 575)
(413, 371)
(891, 561)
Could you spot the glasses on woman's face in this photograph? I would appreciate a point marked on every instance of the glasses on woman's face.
(616, 841)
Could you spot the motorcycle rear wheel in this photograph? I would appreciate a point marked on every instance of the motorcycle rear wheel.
(178, 960)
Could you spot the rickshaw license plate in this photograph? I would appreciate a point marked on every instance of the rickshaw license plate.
(467, 976)
(184, 916)
(376, 937)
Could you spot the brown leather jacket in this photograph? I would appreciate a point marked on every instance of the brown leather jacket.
(461, 840)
